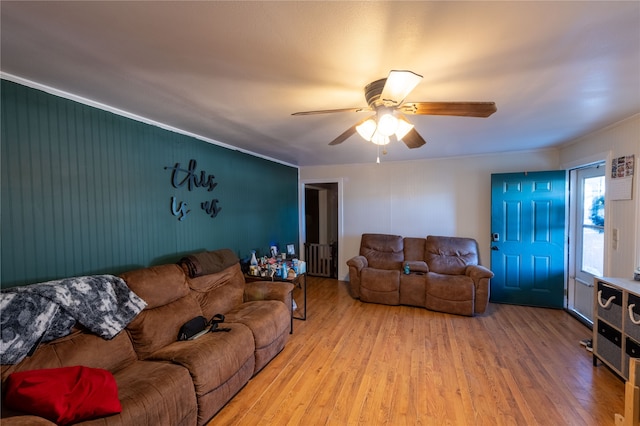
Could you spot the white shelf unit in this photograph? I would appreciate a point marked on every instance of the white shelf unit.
(616, 330)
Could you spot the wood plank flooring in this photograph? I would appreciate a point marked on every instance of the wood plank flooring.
(354, 363)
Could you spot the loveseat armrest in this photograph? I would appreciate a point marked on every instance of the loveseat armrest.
(480, 276)
(356, 264)
(477, 272)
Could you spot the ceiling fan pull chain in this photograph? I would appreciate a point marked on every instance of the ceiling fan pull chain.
(378, 159)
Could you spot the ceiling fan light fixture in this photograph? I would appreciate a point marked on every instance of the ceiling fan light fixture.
(380, 139)
(403, 128)
(387, 124)
(367, 129)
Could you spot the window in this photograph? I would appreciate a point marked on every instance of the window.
(591, 236)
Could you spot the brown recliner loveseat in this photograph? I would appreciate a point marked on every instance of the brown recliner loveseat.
(444, 273)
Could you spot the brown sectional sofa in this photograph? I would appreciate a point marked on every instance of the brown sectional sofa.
(162, 381)
(444, 273)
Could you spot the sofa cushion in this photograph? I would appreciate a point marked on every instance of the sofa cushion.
(25, 420)
(45, 311)
(150, 393)
(220, 292)
(413, 289)
(219, 363)
(380, 286)
(212, 358)
(450, 255)
(79, 348)
(153, 393)
(212, 402)
(382, 251)
(269, 321)
(155, 328)
(454, 294)
(158, 285)
(414, 248)
(448, 287)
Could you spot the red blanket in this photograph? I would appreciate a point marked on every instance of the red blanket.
(63, 395)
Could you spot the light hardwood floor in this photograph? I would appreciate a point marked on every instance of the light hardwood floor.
(355, 363)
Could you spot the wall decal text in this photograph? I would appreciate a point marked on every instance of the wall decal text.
(189, 177)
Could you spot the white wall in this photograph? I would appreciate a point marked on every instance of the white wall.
(449, 197)
(618, 140)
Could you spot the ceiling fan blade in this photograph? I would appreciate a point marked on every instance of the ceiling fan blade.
(344, 136)
(464, 109)
(413, 139)
(398, 85)
(329, 111)
(348, 133)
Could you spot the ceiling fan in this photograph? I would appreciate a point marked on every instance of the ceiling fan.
(387, 98)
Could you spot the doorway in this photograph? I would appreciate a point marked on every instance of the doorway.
(587, 241)
(321, 229)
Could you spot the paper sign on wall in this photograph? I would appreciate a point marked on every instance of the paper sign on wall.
(622, 178)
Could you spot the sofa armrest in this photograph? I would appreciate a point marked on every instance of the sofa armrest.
(480, 276)
(268, 290)
(417, 266)
(356, 265)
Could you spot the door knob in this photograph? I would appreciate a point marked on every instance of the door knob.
(495, 248)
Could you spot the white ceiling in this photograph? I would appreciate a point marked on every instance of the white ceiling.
(234, 72)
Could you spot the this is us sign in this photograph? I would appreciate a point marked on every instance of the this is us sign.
(192, 180)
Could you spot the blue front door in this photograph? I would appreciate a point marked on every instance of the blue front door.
(528, 238)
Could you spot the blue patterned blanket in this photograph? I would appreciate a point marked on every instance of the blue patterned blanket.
(45, 311)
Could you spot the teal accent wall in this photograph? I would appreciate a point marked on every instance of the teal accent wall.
(86, 191)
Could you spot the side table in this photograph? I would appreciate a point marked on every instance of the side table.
(299, 282)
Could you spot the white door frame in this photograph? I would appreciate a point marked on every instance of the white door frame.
(342, 265)
(571, 283)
